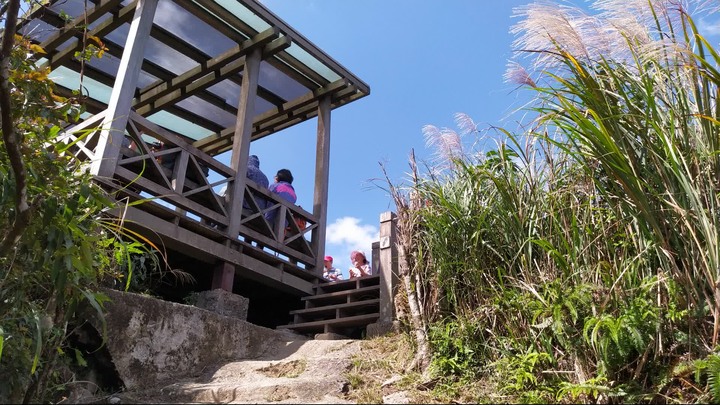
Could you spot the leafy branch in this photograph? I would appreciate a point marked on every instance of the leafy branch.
(10, 135)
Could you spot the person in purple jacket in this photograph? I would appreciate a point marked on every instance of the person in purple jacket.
(283, 187)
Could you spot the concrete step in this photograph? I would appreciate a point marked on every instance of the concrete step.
(311, 372)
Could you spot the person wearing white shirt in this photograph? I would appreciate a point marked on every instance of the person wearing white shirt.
(360, 265)
(329, 272)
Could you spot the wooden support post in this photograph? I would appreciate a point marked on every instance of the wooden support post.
(241, 139)
(322, 176)
(118, 111)
(388, 268)
(223, 276)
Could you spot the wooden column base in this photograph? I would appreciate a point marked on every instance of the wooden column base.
(223, 276)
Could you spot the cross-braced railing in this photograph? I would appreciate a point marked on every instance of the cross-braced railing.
(163, 169)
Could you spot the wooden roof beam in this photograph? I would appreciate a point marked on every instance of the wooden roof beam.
(304, 43)
(286, 121)
(69, 30)
(109, 81)
(198, 87)
(118, 18)
(234, 22)
(219, 68)
(212, 20)
(214, 143)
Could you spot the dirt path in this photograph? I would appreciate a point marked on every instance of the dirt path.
(303, 371)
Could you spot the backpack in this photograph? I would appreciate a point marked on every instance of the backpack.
(300, 222)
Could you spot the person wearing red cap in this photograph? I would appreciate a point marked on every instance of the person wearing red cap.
(329, 272)
(360, 265)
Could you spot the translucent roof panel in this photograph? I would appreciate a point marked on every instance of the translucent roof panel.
(193, 67)
(107, 64)
(245, 14)
(71, 80)
(179, 125)
(230, 92)
(208, 111)
(71, 8)
(38, 30)
(167, 57)
(191, 29)
(280, 83)
(313, 63)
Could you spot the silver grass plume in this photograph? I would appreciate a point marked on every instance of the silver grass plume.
(446, 144)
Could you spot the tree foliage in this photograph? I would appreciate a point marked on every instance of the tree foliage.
(57, 245)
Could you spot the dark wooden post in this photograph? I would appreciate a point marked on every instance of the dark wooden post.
(322, 176)
(388, 271)
(224, 274)
(118, 111)
(388, 265)
(241, 138)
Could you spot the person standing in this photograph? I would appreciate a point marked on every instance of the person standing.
(329, 272)
(255, 174)
(360, 265)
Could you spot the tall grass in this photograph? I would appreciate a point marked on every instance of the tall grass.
(591, 243)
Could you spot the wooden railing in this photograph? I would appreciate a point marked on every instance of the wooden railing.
(163, 168)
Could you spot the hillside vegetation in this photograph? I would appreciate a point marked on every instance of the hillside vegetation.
(577, 260)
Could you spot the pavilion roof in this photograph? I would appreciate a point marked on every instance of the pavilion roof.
(193, 65)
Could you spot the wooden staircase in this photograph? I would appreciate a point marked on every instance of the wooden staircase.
(340, 307)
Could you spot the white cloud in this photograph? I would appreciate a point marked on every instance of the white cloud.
(345, 235)
(709, 28)
(347, 230)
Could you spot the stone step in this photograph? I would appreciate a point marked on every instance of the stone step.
(304, 372)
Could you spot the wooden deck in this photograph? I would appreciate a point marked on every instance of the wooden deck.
(177, 206)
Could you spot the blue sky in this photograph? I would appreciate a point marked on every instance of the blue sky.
(424, 61)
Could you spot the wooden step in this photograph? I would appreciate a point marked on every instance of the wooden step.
(322, 326)
(366, 281)
(340, 297)
(331, 311)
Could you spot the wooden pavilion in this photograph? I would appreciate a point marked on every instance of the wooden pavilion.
(180, 82)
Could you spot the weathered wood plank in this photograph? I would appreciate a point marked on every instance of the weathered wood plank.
(326, 310)
(203, 248)
(322, 176)
(170, 196)
(108, 149)
(318, 326)
(344, 293)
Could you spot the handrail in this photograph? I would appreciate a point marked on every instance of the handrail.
(178, 175)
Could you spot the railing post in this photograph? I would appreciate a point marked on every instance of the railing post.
(388, 271)
(322, 175)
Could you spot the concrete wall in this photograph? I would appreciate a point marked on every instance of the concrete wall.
(153, 341)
